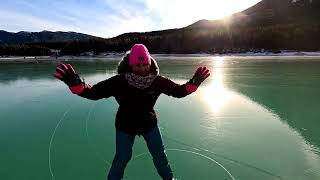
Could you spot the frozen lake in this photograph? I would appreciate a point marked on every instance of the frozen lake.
(253, 118)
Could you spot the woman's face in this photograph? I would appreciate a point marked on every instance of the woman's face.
(141, 69)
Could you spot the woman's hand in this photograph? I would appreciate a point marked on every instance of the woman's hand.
(68, 75)
(199, 76)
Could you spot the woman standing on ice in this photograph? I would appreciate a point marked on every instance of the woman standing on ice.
(136, 89)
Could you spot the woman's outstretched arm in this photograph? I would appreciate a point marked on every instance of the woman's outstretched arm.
(103, 89)
(67, 74)
(171, 88)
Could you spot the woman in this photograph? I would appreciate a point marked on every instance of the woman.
(136, 89)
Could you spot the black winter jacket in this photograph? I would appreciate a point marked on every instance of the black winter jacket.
(136, 113)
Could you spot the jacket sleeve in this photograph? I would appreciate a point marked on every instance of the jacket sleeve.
(171, 88)
(103, 89)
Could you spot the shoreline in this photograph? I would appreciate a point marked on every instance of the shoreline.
(117, 56)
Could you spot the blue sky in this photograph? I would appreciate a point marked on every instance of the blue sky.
(108, 18)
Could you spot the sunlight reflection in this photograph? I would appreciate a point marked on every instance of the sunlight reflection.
(215, 94)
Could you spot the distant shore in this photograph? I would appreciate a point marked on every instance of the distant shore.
(117, 56)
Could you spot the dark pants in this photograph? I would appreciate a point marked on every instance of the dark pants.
(124, 143)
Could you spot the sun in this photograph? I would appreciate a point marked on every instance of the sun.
(181, 13)
(218, 9)
(215, 9)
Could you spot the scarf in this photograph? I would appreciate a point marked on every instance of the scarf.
(140, 82)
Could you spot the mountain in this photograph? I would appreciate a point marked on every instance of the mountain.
(266, 13)
(269, 25)
(43, 36)
(284, 11)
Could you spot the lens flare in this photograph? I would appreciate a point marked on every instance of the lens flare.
(215, 93)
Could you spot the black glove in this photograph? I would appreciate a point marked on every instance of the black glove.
(68, 75)
(199, 76)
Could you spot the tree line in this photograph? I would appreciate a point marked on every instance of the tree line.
(222, 39)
